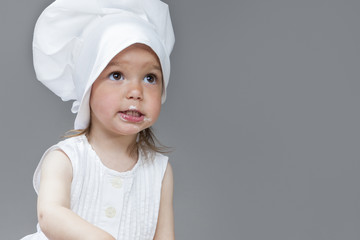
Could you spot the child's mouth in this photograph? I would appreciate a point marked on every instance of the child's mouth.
(132, 113)
(132, 116)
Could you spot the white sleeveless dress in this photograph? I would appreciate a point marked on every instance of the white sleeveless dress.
(124, 204)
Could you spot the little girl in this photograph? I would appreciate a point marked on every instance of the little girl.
(108, 179)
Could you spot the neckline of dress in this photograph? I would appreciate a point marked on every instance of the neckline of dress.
(127, 173)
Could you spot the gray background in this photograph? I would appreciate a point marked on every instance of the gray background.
(262, 108)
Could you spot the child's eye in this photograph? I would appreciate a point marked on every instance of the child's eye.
(116, 76)
(151, 78)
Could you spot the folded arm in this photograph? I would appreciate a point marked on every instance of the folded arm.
(56, 219)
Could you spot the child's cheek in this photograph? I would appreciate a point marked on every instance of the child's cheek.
(156, 111)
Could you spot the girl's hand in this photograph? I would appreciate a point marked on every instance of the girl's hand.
(56, 219)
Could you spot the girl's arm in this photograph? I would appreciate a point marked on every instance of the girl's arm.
(165, 225)
(56, 219)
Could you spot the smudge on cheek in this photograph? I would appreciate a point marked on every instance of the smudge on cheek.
(146, 119)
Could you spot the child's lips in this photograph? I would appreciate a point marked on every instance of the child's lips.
(132, 116)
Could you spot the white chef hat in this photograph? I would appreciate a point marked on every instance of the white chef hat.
(74, 40)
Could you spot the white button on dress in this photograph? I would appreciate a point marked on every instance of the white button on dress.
(116, 182)
(110, 212)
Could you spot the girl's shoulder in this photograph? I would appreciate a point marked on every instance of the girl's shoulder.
(72, 146)
(155, 162)
(72, 141)
(67, 149)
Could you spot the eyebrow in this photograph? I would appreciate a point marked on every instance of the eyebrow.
(157, 67)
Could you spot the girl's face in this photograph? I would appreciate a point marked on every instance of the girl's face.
(126, 97)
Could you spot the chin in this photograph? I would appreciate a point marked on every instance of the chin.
(129, 131)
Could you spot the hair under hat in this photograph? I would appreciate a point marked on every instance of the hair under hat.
(74, 40)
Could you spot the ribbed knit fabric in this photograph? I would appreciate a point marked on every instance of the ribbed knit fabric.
(125, 204)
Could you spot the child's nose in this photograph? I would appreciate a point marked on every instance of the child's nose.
(135, 91)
